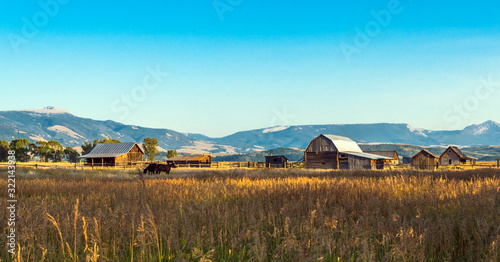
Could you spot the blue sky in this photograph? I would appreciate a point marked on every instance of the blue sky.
(237, 65)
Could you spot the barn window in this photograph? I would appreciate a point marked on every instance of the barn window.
(275, 160)
(450, 161)
(449, 151)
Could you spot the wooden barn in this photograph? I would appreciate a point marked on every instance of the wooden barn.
(392, 154)
(338, 152)
(454, 156)
(191, 160)
(114, 154)
(276, 161)
(498, 162)
(425, 160)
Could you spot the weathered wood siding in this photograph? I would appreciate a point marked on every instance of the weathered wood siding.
(276, 161)
(424, 161)
(449, 157)
(355, 162)
(321, 154)
(321, 144)
(323, 160)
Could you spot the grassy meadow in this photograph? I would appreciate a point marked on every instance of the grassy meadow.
(256, 215)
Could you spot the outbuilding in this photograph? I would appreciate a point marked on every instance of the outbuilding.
(392, 154)
(453, 156)
(191, 160)
(338, 152)
(114, 154)
(276, 161)
(425, 160)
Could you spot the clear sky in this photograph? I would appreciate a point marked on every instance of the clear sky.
(236, 64)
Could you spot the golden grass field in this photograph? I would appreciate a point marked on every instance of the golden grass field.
(256, 215)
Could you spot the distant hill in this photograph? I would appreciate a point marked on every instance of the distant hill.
(53, 123)
(291, 154)
(487, 133)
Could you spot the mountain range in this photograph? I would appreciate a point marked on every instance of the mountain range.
(53, 123)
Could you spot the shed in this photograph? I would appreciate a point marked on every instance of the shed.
(392, 154)
(114, 154)
(407, 160)
(425, 160)
(454, 156)
(276, 161)
(498, 162)
(338, 152)
(191, 160)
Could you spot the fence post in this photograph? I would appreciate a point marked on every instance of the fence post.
(36, 166)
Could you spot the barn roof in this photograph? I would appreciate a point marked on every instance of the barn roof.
(188, 158)
(369, 156)
(276, 156)
(343, 144)
(427, 152)
(383, 153)
(111, 150)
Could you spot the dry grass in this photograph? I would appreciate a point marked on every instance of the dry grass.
(258, 215)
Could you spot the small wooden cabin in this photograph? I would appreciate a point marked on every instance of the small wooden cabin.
(191, 160)
(338, 152)
(407, 160)
(425, 160)
(114, 154)
(392, 154)
(276, 161)
(454, 156)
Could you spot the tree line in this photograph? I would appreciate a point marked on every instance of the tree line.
(53, 151)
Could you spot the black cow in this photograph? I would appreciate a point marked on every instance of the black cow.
(165, 168)
(151, 169)
(158, 168)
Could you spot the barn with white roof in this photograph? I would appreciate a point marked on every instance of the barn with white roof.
(338, 152)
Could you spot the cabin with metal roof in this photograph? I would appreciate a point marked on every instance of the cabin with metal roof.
(114, 154)
(338, 152)
(191, 160)
(454, 156)
(276, 161)
(392, 154)
(425, 160)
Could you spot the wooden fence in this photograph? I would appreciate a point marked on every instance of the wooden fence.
(142, 165)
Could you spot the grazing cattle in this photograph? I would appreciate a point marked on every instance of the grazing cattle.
(151, 169)
(165, 168)
(158, 168)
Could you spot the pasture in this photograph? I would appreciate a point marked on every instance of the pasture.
(256, 215)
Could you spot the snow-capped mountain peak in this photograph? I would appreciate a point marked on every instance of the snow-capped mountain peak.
(482, 128)
(48, 110)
